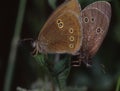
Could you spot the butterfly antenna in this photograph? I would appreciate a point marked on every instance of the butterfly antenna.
(27, 43)
(27, 40)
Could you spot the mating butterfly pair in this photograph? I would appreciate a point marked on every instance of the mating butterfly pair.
(74, 31)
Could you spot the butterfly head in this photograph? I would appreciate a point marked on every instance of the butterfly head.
(37, 47)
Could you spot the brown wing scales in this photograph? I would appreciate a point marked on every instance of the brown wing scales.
(94, 30)
(64, 35)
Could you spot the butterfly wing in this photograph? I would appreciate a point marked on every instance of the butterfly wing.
(103, 6)
(72, 5)
(95, 26)
(62, 33)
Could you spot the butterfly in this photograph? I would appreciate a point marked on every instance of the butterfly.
(95, 21)
(62, 32)
(74, 31)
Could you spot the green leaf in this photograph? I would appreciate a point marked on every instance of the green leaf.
(62, 77)
(61, 71)
(59, 66)
(40, 59)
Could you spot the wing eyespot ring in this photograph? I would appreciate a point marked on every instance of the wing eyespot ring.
(71, 38)
(92, 20)
(71, 45)
(58, 21)
(71, 30)
(60, 25)
(86, 20)
(99, 30)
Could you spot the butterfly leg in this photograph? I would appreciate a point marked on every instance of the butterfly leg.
(34, 52)
(76, 63)
(87, 62)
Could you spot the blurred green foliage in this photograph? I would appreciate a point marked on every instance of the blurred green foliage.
(52, 3)
(42, 73)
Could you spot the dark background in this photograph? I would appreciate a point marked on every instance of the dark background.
(27, 70)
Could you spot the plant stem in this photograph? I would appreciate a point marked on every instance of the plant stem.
(118, 85)
(14, 43)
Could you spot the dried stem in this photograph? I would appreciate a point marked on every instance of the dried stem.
(14, 43)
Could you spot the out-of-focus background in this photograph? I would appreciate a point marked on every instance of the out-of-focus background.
(27, 72)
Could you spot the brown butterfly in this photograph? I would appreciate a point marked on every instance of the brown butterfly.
(62, 33)
(95, 21)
